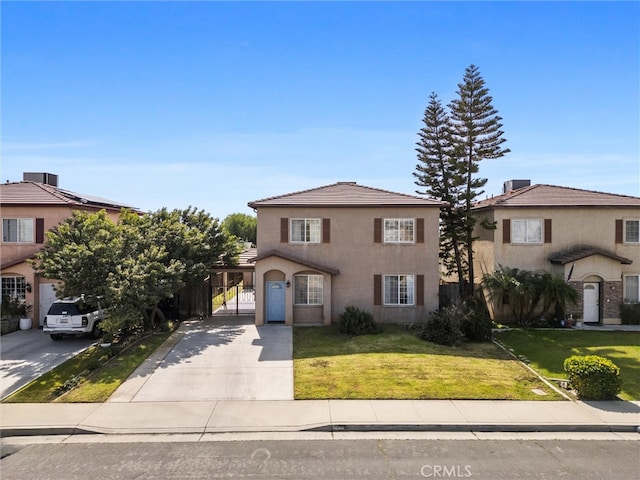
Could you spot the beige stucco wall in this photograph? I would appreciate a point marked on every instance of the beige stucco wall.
(571, 227)
(278, 269)
(353, 252)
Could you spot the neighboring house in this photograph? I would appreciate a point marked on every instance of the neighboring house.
(590, 238)
(29, 209)
(323, 249)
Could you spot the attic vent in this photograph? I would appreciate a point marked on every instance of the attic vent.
(510, 185)
(46, 178)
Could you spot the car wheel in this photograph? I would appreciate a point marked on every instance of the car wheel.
(56, 336)
(96, 331)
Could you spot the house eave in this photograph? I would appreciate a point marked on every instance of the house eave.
(296, 259)
(584, 252)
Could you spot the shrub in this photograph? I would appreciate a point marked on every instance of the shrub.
(475, 323)
(354, 321)
(630, 313)
(593, 377)
(444, 326)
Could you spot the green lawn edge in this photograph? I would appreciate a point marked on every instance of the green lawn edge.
(99, 374)
(396, 364)
(546, 349)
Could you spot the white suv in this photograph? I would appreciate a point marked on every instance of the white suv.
(73, 316)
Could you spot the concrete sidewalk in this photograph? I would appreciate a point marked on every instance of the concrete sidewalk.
(319, 415)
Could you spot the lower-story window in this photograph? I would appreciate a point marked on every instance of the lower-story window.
(307, 290)
(399, 289)
(632, 289)
(14, 288)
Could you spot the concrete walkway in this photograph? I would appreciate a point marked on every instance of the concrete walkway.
(177, 392)
(219, 358)
(232, 416)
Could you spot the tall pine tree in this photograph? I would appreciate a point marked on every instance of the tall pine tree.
(450, 148)
(476, 136)
(438, 172)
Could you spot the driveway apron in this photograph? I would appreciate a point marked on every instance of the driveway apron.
(218, 358)
(28, 354)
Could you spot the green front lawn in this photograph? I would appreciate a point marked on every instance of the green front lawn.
(547, 349)
(396, 364)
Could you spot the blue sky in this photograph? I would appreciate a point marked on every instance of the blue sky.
(215, 104)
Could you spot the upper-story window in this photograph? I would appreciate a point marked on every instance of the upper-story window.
(305, 230)
(17, 230)
(632, 231)
(399, 230)
(526, 231)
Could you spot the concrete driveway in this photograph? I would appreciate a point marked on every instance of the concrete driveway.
(27, 354)
(219, 358)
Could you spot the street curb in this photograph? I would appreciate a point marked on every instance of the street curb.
(475, 428)
(335, 428)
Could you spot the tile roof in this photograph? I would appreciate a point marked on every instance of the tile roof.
(34, 193)
(554, 196)
(345, 194)
(578, 253)
(296, 259)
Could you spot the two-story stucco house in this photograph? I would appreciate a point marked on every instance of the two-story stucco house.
(590, 238)
(323, 249)
(29, 209)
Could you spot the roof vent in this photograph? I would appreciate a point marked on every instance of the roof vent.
(40, 177)
(346, 183)
(511, 185)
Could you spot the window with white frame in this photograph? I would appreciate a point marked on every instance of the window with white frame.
(17, 230)
(632, 231)
(526, 231)
(305, 230)
(13, 288)
(399, 289)
(307, 289)
(632, 289)
(399, 230)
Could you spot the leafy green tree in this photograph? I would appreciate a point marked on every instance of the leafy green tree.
(137, 262)
(242, 226)
(476, 135)
(439, 173)
(81, 251)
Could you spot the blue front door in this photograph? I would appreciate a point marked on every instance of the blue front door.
(275, 301)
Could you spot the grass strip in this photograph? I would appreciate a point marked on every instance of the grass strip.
(396, 364)
(546, 351)
(95, 373)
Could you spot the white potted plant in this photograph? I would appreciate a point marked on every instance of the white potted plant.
(25, 320)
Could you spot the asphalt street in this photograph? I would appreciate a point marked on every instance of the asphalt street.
(326, 459)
